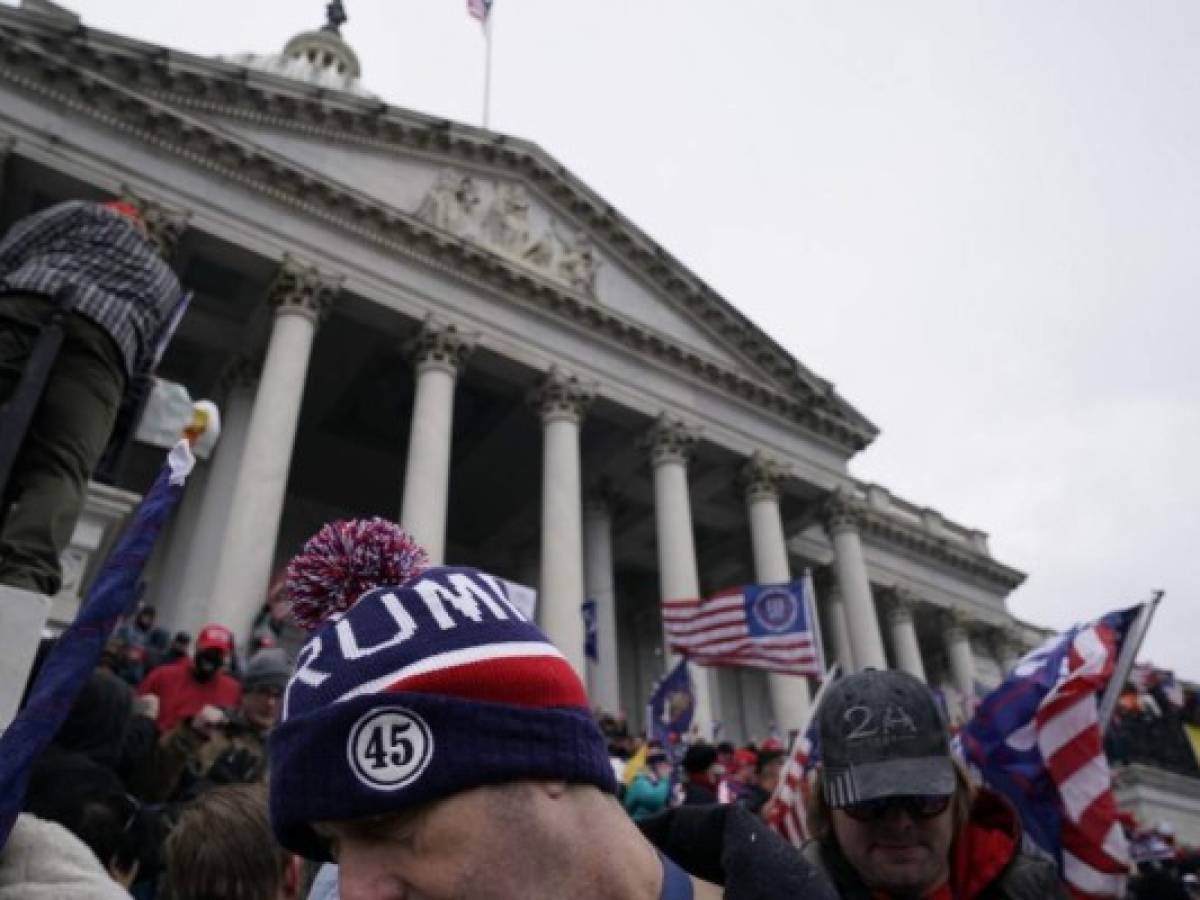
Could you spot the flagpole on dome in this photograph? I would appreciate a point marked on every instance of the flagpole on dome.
(482, 10)
(1124, 665)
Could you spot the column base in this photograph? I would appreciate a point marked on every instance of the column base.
(22, 616)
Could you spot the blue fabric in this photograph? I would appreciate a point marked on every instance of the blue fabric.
(349, 745)
(1015, 768)
(775, 609)
(676, 883)
(77, 651)
(591, 640)
(672, 705)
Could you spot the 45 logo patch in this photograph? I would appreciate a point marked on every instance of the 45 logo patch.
(389, 748)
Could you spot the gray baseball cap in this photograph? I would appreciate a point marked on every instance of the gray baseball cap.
(881, 735)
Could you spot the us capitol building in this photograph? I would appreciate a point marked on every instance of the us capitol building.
(408, 317)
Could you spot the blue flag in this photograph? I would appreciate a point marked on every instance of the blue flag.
(672, 705)
(76, 653)
(590, 640)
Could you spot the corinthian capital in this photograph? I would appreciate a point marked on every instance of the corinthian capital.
(164, 226)
(843, 511)
(762, 475)
(561, 396)
(441, 345)
(670, 440)
(303, 289)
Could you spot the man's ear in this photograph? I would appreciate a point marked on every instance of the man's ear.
(293, 878)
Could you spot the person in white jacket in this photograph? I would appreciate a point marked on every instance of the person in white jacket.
(44, 861)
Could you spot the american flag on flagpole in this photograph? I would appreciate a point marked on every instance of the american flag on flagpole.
(479, 9)
(1038, 740)
(762, 626)
(785, 813)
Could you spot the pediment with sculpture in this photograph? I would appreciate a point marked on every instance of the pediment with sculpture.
(500, 216)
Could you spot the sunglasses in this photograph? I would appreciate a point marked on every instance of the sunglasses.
(921, 806)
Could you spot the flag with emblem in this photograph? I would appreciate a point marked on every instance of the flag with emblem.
(672, 705)
(761, 626)
(1038, 739)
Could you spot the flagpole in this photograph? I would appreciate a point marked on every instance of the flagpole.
(1129, 652)
(487, 67)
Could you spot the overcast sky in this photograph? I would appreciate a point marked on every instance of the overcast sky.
(981, 221)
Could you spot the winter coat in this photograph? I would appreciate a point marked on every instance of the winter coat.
(185, 763)
(989, 860)
(730, 847)
(44, 861)
(647, 796)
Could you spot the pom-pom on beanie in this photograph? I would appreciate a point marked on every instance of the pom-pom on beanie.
(415, 690)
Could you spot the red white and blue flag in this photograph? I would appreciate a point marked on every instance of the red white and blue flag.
(760, 626)
(1037, 739)
(480, 9)
(785, 812)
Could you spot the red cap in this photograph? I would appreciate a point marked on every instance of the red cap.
(128, 210)
(215, 636)
(745, 757)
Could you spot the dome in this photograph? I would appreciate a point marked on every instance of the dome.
(321, 57)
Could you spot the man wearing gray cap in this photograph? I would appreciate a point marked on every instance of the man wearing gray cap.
(894, 815)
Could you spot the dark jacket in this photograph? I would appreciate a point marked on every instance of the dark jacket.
(990, 859)
(730, 847)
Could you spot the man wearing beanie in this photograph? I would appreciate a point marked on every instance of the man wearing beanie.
(437, 746)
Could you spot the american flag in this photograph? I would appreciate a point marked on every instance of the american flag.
(1037, 740)
(785, 812)
(762, 626)
(480, 9)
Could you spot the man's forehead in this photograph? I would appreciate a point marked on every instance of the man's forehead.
(387, 823)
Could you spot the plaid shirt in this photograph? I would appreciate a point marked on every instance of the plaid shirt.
(97, 259)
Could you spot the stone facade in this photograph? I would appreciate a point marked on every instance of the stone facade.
(414, 318)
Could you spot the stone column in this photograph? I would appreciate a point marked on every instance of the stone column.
(904, 633)
(670, 442)
(561, 400)
(843, 515)
(761, 477)
(962, 659)
(300, 294)
(198, 533)
(439, 352)
(603, 676)
(839, 630)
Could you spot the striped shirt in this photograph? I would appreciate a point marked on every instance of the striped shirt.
(101, 262)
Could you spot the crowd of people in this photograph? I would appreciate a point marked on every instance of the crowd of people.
(396, 731)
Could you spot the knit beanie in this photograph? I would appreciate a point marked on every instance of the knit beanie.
(268, 667)
(419, 685)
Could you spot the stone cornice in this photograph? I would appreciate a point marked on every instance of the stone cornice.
(881, 528)
(116, 81)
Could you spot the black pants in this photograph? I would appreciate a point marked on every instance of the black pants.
(66, 437)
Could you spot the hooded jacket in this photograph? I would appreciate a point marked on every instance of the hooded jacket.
(989, 860)
(727, 845)
(44, 861)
